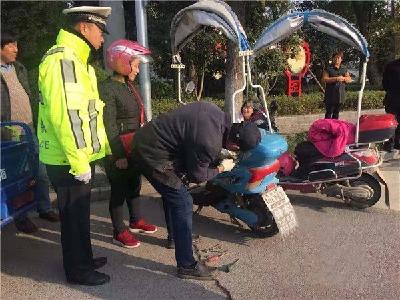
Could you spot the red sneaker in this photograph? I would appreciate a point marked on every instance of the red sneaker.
(142, 226)
(125, 239)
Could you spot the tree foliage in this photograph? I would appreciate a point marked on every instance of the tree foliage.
(36, 23)
(378, 21)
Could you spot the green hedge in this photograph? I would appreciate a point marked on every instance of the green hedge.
(313, 102)
(166, 104)
(306, 104)
(294, 139)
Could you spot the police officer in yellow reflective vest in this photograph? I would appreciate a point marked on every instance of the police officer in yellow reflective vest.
(72, 135)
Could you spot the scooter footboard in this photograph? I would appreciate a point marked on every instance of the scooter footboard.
(279, 205)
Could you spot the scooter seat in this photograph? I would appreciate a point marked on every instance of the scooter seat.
(290, 179)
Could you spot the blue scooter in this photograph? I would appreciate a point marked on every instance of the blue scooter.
(249, 192)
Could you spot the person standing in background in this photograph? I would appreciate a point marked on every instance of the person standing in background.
(335, 77)
(16, 105)
(72, 134)
(123, 116)
(391, 84)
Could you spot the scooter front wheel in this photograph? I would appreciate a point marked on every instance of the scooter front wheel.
(266, 226)
(369, 191)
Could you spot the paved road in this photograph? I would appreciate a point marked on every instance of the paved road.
(336, 253)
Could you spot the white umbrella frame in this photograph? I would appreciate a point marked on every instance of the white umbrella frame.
(325, 22)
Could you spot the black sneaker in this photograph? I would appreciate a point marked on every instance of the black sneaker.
(92, 278)
(199, 272)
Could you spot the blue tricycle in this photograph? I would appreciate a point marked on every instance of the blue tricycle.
(18, 171)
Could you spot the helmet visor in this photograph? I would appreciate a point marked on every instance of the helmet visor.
(143, 58)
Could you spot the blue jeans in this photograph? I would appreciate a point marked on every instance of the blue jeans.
(42, 190)
(168, 220)
(42, 196)
(179, 204)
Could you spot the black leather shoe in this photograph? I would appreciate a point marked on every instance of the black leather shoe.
(199, 272)
(25, 225)
(92, 278)
(50, 216)
(99, 262)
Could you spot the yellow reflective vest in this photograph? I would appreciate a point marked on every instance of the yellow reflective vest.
(70, 123)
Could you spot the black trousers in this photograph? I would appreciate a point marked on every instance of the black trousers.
(73, 197)
(394, 142)
(332, 110)
(125, 187)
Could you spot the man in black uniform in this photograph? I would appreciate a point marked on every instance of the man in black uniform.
(178, 147)
(391, 84)
(335, 77)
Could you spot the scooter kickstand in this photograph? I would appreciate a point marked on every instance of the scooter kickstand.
(198, 210)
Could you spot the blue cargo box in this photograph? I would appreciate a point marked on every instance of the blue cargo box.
(18, 170)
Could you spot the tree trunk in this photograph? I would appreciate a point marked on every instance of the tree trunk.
(233, 80)
(193, 76)
(200, 92)
(396, 33)
(234, 74)
(363, 12)
(373, 74)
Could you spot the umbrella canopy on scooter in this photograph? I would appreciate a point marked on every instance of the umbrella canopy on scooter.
(318, 19)
(322, 21)
(215, 13)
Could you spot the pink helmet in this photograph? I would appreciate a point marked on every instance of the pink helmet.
(288, 163)
(120, 53)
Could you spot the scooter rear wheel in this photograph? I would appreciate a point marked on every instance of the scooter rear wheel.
(266, 226)
(368, 182)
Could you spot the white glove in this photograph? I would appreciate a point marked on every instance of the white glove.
(85, 177)
(227, 165)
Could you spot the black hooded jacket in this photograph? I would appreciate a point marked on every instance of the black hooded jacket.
(183, 142)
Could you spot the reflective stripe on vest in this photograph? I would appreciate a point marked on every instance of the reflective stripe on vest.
(93, 125)
(76, 123)
(68, 74)
(68, 70)
(52, 51)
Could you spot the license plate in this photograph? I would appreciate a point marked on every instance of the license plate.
(279, 204)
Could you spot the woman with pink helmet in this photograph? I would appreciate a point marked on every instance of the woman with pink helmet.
(123, 115)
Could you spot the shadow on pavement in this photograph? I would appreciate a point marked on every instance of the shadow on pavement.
(318, 203)
(204, 226)
(38, 257)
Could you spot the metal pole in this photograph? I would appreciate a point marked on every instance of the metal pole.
(360, 95)
(144, 75)
(316, 80)
(257, 86)
(179, 87)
